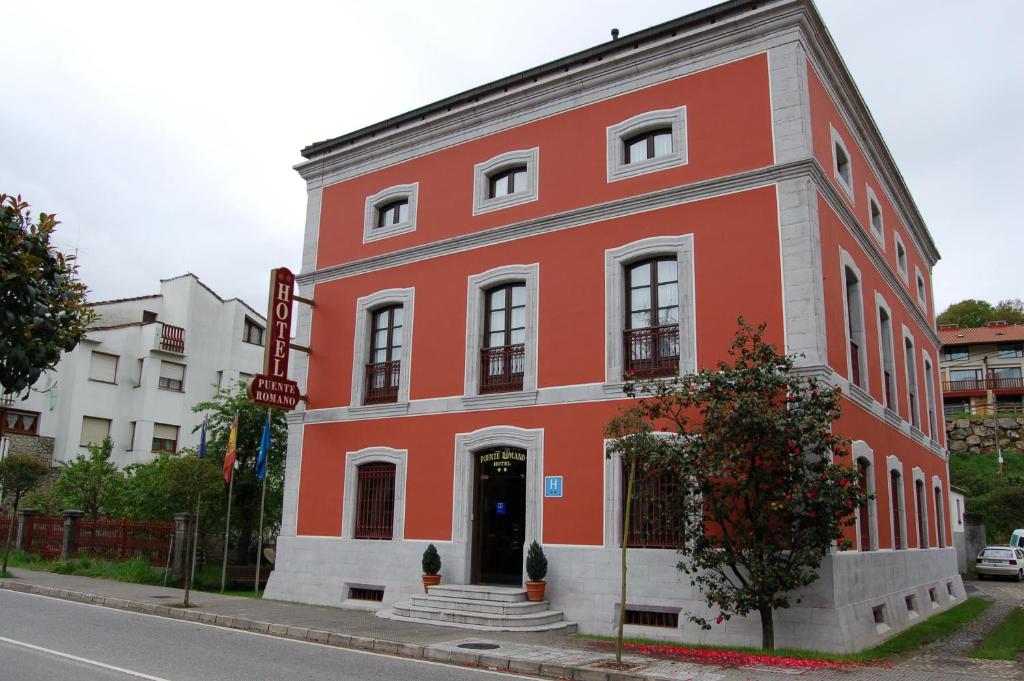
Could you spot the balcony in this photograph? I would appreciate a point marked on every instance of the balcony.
(381, 384)
(171, 339)
(978, 386)
(652, 352)
(501, 368)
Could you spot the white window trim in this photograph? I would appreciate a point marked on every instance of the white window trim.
(466, 447)
(476, 299)
(409, 192)
(916, 382)
(861, 450)
(482, 173)
(846, 261)
(353, 460)
(847, 186)
(920, 289)
(616, 260)
(901, 269)
(617, 134)
(873, 201)
(918, 476)
(881, 304)
(361, 344)
(928, 373)
(892, 463)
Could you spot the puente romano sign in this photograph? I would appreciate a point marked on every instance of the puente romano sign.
(273, 388)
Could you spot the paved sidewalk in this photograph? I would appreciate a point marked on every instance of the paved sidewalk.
(546, 654)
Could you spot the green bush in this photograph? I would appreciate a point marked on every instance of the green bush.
(536, 563)
(63, 567)
(431, 561)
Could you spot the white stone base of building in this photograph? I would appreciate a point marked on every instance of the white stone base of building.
(836, 614)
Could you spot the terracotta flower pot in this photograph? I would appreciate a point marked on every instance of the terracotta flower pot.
(535, 590)
(430, 580)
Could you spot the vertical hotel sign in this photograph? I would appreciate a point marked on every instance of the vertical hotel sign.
(273, 388)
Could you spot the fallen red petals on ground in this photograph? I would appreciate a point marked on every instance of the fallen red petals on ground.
(732, 658)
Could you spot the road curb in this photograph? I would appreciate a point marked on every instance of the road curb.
(338, 640)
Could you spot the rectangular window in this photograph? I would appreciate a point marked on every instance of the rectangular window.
(94, 431)
(375, 501)
(855, 326)
(652, 318)
(131, 437)
(24, 422)
(915, 413)
(172, 376)
(922, 520)
(252, 332)
(165, 438)
(502, 358)
(901, 257)
(929, 396)
(1011, 350)
(652, 524)
(103, 367)
(888, 359)
(138, 372)
(383, 372)
(955, 352)
(897, 512)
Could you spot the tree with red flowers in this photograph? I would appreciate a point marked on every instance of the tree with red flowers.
(764, 485)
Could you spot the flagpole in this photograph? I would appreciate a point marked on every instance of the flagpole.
(227, 528)
(263, 498)
(195, 519)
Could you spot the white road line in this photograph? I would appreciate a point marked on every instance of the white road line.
(228, 630)
(75, 658)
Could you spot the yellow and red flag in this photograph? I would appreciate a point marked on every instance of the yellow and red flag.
(229, 458)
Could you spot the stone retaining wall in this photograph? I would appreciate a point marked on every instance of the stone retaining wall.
(979, 434)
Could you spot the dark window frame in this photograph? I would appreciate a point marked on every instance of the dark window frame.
(375, 501)
(648, 136)
(394, 209)
(955, 352)
(507, 356)
(648, 530)
(659, 334)
(507, 175)
(895, 486)
(19, 426)
(159, 444)
(389, 369)
(863, 511)
(251, 328)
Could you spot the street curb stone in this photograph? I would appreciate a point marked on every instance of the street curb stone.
(338, 640)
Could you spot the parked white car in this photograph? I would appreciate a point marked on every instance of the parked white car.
(1017, 539)
(1000, 561)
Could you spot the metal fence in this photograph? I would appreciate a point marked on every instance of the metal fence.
(121, 539)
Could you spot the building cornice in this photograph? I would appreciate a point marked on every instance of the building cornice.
(638, 60)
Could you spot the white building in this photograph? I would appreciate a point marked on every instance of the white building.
(145, 362)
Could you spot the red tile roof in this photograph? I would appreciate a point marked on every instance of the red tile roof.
(985, 334)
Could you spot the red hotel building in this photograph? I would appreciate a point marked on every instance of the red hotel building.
(486, 267)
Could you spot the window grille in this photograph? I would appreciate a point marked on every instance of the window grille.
(652, 618)
(652, 524)
(375, 501)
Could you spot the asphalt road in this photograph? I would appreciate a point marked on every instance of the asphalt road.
(45, 639)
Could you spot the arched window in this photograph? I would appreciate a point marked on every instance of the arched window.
(503, 352)
(895, 480)
(375, 501)
(393, 213)
(652, 317)
(863, 517)
(384, 367)
(648, 145)
(508, 181)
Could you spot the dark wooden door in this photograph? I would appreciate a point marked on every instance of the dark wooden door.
(500, 517)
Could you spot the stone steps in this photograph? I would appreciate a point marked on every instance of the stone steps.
(484, 608)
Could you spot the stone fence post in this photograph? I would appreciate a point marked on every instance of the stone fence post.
(22, 539)
(182, 537)
(69, 543)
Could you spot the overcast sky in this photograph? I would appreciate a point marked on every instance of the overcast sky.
(163, 135)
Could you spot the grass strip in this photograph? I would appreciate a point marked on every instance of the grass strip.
(933, 629)
(1006, 641)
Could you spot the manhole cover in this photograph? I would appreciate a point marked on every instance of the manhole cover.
(479, 646)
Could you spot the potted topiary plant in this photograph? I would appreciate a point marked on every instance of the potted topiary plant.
(536, 570)
(431, 567)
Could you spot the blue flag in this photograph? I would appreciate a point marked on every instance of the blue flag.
(202, 440)
(261, 460)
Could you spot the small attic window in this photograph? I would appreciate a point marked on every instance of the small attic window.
(842, 166)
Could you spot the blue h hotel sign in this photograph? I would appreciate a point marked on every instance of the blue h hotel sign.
(553, 486)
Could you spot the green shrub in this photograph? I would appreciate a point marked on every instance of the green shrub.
(536, 563)
(63, 567)
(431, 561)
